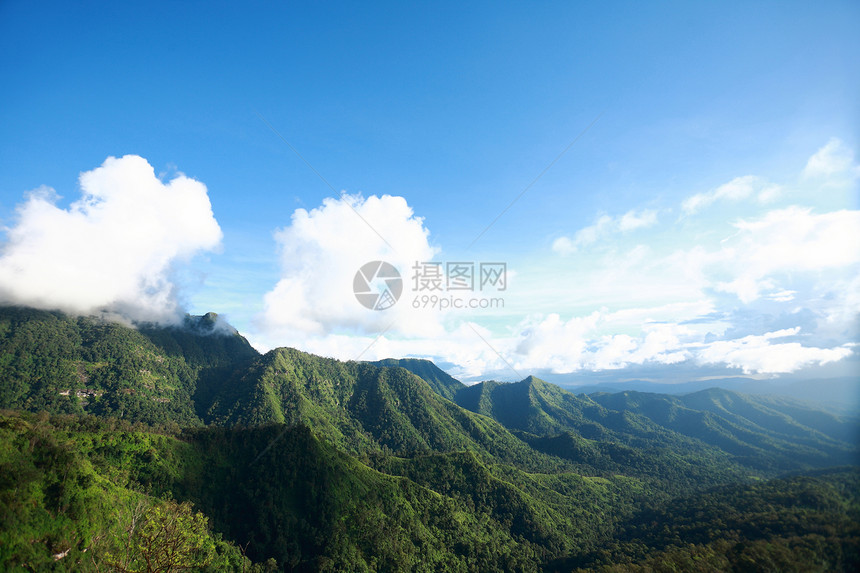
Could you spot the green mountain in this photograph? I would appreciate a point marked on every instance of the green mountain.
(442, 383)
(361, 408)
(781, 415)
(794, 524)
(538, 407)
(759, 431)
(839, 395)
(300, 463)
(57, 363)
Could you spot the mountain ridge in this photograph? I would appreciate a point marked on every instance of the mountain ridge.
(327, 465)
(442, 382)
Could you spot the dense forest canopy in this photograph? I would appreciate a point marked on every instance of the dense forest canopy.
(152, 448)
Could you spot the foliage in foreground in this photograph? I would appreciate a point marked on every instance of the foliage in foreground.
(68, 503)
(84, 494)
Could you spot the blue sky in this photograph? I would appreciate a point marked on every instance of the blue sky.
(704, 220)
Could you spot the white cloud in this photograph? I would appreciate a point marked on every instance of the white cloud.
(559, 346)
(769, 194)
(663, 292)
(788, 240)
(782, 296)
(321, 251)
(556, 344)
(592, 233)
(756, 354)
(780, 263)
(747, 289)
(563, 246)
(603, 227)
(632, 220)
(832, 159)
(607, 340)
(735, 190)
(113, 249)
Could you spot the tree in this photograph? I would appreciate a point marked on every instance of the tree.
(163, 538)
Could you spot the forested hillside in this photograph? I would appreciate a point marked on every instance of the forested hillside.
(443, 383)
(295, 462)
(62, 364)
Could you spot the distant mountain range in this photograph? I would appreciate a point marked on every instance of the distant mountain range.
(307, 463)
(841, 394)
(754, 429)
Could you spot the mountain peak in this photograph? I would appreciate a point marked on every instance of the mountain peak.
(443, 383)
(530, 379)
(209, 323)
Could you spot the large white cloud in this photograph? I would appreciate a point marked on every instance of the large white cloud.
(321, 251)
(113, 249)
(567, 346)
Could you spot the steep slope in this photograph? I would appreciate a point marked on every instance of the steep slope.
(534, 406)
(597, 440)
(297, 498)
(362, 408)
(444, 384)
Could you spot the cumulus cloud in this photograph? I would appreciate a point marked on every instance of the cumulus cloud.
(113, 249)
(321, 251)
(673, 299)
(735, 190)
(757, 354)
(603, 227)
